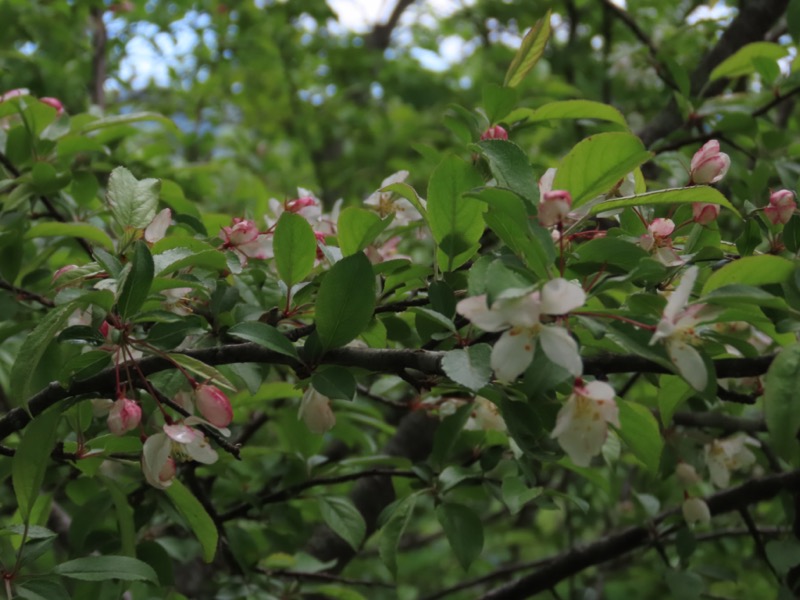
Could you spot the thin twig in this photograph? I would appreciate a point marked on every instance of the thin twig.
(326, 577)
(26, 294)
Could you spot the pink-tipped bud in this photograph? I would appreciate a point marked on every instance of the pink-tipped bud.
(704, 214)
(781, 207)
(168, 471)
(62, 270)
(124, 416)
(105, 329)
(15, 93)
(495, 132)
(709, 165)
(299, 204)
(554, 207)
(55, 103)
(661, 228)
(214, 405)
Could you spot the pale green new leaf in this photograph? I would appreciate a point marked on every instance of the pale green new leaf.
(133, 203)
(529, 53)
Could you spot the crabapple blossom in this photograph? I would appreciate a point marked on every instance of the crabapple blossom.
(244, 238)
(695, 510)
(315, 411)
(708, 165)
(781, 207)
(657, 241)
(178, 441)
(125, 415)
(388, 203)
(729, 454)
(582, 423)
(485, 416)
(55, 103)
(704, 213)
(157, 228)
(495, 132)
(214, 405)
(677, 330)
(520, 320)
(554, 207)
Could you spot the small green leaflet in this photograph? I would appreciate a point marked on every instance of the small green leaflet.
(85, 231)
(393, 530)
(197, 517)
(781, 409)
(569, 109)
(639, 430)
(345, 520)
(469, 367)
(264, 335)
(357, 228)
(529, 53)
(463, 529)
(137, 283)
(743, 61)
(106, 568)
(133, 203)
(295, 248)
(751, 270)
(31, 459)
(698, 193)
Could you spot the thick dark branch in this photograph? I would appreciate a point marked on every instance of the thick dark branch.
(99, 42)
(719, 421)
(25, 294)
(576, 560)
(382, 34)
(754, 20)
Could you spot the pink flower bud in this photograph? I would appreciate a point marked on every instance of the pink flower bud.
(55, 103)
(495, 132)
(709, 165)
(554, 207)
(661, 228)
(168, 471)
(105, 329)
(299, 204)
(214, 405)
(124, 416)
(62, 270)
(781, 207)
(15, 93)
(704, 214)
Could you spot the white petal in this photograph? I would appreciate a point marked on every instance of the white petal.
(181, 433)
(155, 453)
(561, 349)
(512, 354)
(560, 296)
(680, 296)
(201, 451)
(689, 363)
(398, 177)
(476, 310)
(158, 226)
(582, 437)
(546, 181)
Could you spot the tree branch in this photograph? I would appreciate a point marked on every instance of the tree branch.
(577, 559)
(26, 295)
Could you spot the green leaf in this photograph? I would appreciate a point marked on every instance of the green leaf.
(42, 589)
(516, 493)
(409, 193)
(133, 203)
(32, 349)
(470, 367)
(345, 301)
(783, 555)
(698, 193)
(498, 101)
(570, 109)
(529, 53)
(124, 511)
(357, 228)
(609, 251)
(137, 283)
(510, 167)
(742, 61)
(345, 520)
(684, 584)
(206, 372)
(672, 392)
(392, 532)
(781, 409)
(455, 220)
(463, 529)
(596, 164)
(200, 523)
(447, 433)
(335, 383)
(31, 459)
(106, 568)
(115, 120)
(264, 335)
(639, 430)
(295, 248)
(751, 270)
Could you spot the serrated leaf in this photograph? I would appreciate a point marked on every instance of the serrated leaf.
(133, 203)
(751, 270)
(639, 430)
(264, 335)
(85, 231)
(455, 220)
(698, 193)
(345, 301)
(570, 109)
(106, 568)
(529, 53)
(781, 409)
(137, 283)
(464, 531)
(31, 459)
(206, 372)
(344, 519)
(196, 516)
(33, 348)
(392, 531)
(596, 164)
(470, 367)
(295, 248)
(510, 167)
